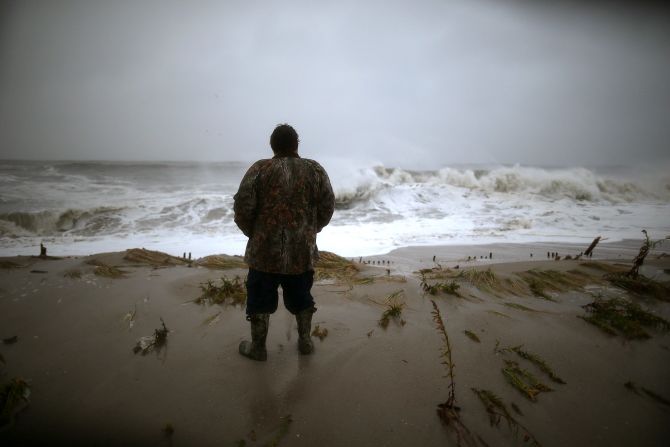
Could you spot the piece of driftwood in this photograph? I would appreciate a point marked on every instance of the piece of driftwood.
(589, 251)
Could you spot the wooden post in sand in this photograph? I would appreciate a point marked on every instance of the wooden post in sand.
(589, 251)
(43, 251)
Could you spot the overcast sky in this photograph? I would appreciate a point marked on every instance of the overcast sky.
(413, 83)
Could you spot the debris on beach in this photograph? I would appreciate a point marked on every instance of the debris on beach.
(449, 411)
(450, 287)
(105, 270)
(14, 397)
(10, 340)
(130, 318)
(72, 274)
(472, 336)
(229, 289)
(152, 342)
(320, 332)
(497, 411)
(618, 316)
(523, 380)
(647, 392)
(394, 306)
(153, 258)
(589, 251)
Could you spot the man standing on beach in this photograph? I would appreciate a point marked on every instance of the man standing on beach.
(281, 204)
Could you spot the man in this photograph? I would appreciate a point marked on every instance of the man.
(281, 205)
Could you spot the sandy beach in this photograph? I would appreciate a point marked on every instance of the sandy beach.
(70, 324)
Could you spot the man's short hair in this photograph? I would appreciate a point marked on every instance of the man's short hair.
(284, 139)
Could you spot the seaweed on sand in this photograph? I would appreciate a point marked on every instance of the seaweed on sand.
(472, 336)
(102, 269)
(618, 316)
(152, 342)
(519, 307)
(539, 362)
(394, 306)
(229, 289)
(448, 411)
(649, 393)
(497, 411)
(523, 380)
(320, 332)
(14, 396)
(450, 287)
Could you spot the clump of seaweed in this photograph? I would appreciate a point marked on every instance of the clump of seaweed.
(523, 380)
(394, 306)
(72, 274)
(448, 411)
(14, 397)
(320, 332)
(333, 266)
(229, 289)
(152, 342)
(221, 262)
(519, 307)
(450, 287)
(539, 362)
(472, 336)
(618, 316)
(497, 411)
(649, 393)
(108, 271)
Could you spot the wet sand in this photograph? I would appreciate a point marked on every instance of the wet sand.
(364, 385)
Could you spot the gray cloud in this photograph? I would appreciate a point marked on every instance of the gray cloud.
(412, 83)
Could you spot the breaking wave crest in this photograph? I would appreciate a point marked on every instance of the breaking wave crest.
(576, 184)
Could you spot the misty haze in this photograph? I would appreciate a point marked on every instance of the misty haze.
(501, 157)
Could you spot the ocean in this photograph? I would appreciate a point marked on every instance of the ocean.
(79, 208)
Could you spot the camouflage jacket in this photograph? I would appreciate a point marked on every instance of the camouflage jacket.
(281, 205)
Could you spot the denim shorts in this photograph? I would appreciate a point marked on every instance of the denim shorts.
(263, 297)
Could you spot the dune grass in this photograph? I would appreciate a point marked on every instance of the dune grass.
(394, 306)
(105, 270)
(497, 411)
(219, 262)
(523, 380)
(618, 316)
(640, 285)
(153, 258)
(472, 336)
(332, 266)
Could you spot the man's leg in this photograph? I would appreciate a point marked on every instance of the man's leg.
(299, 301)
(262, 299)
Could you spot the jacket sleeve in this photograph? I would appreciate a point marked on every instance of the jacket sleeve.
(246, 200)
(326, 200)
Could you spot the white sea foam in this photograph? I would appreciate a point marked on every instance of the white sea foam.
(87, 207)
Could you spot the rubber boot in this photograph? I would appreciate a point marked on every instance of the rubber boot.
(255, 349)
(304, 319)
